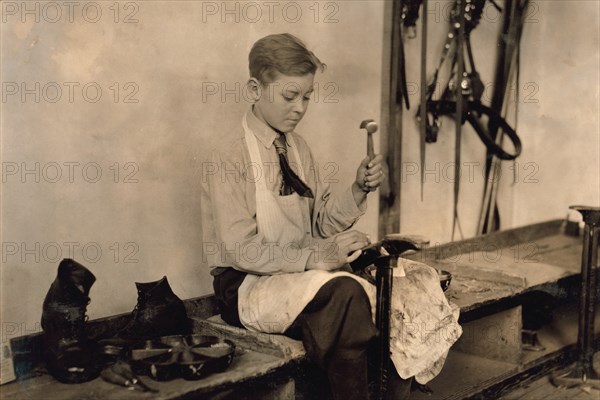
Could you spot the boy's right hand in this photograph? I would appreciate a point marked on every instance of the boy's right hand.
(333, 253)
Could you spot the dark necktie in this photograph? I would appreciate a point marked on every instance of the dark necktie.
(291, 181)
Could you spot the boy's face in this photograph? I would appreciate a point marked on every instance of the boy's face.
(282, 103)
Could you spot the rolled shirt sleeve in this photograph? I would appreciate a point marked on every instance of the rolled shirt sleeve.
(332, 213)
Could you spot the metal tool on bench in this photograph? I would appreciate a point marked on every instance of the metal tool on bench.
(583, 373)
(120, 373)
(394, 245)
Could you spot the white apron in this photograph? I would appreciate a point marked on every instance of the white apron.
(271, 303)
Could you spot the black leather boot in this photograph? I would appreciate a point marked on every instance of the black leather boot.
(158, 312)
(68, 353)
(347, 375)
(397, 388)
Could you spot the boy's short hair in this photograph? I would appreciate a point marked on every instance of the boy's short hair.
(283, 53)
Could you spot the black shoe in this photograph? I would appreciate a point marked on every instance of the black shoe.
(158, 312)
(348, 378)
(68, 352)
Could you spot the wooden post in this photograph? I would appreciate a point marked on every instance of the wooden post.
(391, 116)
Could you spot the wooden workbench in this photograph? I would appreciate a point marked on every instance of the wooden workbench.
(491, 276)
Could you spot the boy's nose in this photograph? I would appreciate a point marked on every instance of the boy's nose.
(299, 107)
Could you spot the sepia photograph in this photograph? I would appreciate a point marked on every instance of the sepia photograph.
(309, 199)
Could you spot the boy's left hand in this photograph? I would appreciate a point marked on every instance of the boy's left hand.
(369, 174)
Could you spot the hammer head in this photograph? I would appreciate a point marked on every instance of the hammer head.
(370, 125)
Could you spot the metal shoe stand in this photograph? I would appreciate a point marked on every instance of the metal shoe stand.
(583, 373)
(382, 319)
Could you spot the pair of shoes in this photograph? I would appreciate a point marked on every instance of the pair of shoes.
(71, 357)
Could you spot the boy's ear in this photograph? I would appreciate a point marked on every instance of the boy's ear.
(254, 89)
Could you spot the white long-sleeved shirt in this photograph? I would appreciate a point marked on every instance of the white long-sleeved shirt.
(230, 234)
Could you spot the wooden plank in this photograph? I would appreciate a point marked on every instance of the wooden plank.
(491, 279)
(278, 345)
(391, 123)
(246, 365)
(559, 337)
(504, 267)
(27, 350)
(257, 355)
(473, 294)
(478, 272)
(467, 376)
(499, 239)
(461, 374)
(263, 389)
(496, 337)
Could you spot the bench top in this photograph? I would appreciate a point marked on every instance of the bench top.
(256, 355)
(489, 276)
(247, 364)
(486, 271)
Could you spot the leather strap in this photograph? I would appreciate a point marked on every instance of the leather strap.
(460, 103)
(446, 107)
(424, 97)
(400, 13)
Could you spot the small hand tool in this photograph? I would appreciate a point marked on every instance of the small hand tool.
(371, 126)
(120, 374)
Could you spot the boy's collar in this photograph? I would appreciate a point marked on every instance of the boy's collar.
(262, 131)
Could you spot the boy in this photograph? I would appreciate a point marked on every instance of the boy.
(281, 234)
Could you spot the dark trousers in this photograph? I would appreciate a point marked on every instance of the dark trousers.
(336, 329)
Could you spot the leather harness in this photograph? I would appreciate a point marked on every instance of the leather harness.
(462, 94)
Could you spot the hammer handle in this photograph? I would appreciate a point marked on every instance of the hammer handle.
(370, 150)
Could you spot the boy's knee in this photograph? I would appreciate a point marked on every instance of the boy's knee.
(348, 291)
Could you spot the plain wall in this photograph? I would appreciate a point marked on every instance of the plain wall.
(149, 212)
